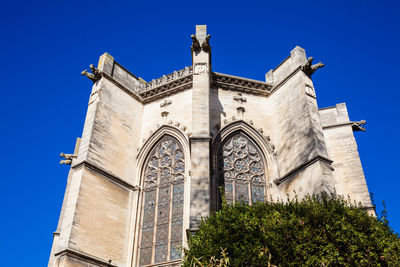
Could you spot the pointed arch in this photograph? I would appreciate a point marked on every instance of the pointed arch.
(163, 171)
(254, 144)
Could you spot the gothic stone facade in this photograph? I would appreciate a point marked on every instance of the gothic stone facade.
(153, 155)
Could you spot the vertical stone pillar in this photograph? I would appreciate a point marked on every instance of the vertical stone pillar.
(200, 139)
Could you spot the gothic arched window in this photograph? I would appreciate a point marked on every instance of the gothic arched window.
(161, 224)
(241, 169)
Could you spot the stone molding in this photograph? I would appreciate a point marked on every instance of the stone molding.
(183, 79)
(234, 83)
(165, 129)
(302, 167)
(105, 174)
(80, 255)
(350, 123)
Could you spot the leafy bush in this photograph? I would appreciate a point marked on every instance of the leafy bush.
(316, 231)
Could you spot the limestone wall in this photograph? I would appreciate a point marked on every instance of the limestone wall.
(342, 148)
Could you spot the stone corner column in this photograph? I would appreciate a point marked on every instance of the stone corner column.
(200, 139)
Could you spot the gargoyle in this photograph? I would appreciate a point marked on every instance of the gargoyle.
(357, 125)
(206, 43)
(94, 76)
(309, 69)
(195, 44)
(68, 158)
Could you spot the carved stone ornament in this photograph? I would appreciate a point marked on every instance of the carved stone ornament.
(94, 76)
(239, 98)
(309, 69)
(165, 103)
(205, 45)
(67, 158)
(200, 68)
(357, 125)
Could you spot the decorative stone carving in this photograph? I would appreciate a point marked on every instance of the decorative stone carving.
(165, 103)
(168, 84)
(357, 125)
(67, 158)
(239, 98)
(195, 43)
(200, 68)
(309, 69)
(205, 45)
(229, 82)
(94, 76)
(242, 170)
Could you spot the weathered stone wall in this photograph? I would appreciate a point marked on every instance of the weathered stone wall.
(179, 111)
(342, 149)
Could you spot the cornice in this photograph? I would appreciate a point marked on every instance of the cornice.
(234, 83)
(167, 88)
(183, 79)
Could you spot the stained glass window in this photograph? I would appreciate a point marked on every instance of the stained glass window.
(162, 209)
(241, 170)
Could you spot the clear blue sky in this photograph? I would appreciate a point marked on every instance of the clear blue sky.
(45, 45)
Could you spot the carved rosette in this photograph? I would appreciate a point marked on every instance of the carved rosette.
(242, 170)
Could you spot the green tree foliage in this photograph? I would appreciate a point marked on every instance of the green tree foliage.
(316, 231)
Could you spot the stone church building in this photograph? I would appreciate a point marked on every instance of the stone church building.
(153, 155)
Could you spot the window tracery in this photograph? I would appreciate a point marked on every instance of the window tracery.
(162, 209)
(242, 170)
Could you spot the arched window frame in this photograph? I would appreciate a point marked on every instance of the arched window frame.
(142, 158)
(269, 158)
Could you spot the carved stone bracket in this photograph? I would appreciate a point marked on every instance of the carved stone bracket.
(94, 76)
(309, 69)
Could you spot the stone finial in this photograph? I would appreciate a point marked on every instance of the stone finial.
(94, 76)
(357, 125)
(309, 69)
(68, 158)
